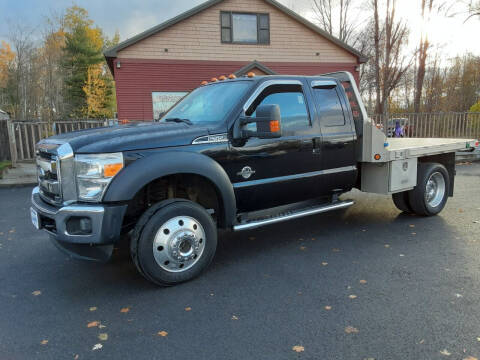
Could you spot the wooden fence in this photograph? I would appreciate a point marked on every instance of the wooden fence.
(21, 136)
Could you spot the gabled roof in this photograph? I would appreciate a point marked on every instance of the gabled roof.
(255, 65)
(112, 52)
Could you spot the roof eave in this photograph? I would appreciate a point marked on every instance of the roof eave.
(361, 58)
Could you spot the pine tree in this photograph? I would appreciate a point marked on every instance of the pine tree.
(82, 51)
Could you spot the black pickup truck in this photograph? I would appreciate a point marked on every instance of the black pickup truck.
(233, 154)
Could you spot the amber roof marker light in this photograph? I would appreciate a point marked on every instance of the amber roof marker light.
(251, 74)
(204, 83)
(214, 80)
(223, 77)
(232, 76)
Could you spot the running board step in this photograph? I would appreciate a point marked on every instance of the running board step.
(252, 224)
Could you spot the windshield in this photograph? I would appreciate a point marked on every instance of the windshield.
(208, 105)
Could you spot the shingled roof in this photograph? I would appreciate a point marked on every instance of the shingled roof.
(112, 52)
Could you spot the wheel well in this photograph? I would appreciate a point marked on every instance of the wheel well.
(447, 160)
(193, 187)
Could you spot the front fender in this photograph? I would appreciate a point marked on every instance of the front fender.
(141, 172)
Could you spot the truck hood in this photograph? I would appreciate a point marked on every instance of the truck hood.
(131, 137)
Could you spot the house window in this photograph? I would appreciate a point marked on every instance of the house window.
(245, 28)
(163, 101)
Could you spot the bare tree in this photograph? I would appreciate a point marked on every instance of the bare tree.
(390, 38)
(20, 37)
(335, 17)
(422, 55)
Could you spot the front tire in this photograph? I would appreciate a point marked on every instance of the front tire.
(430, 195)
(173, 242)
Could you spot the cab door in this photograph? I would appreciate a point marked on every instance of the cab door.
(272, 172)
(339, 137)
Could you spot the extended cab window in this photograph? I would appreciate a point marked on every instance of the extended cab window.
(293, 108)
(331, 111)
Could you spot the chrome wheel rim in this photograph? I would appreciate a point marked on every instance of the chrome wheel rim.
(179, 244)
(435, 189)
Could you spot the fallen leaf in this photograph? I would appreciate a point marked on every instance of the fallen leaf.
(93, 308)
(412, 226)
(470, 358)
(478, 338)
(414, 233)
(125, 310)
(212, 294)
(445, 352)
(303, 248)
(328, 307)
(1, 233)
(76, 357)
(234, 317)
(44, 342)
(352, 296)
(324, 263)
(335, 250)
(363, 281)
(36, 293)
(103, 337)
(101, 326)
(422, 341)
(298, 348)
(188, 309)
(459, 295)
(401, 255)
(351, 330)
(97, 347)
(460, 210)
(387, 246)
(251, 238)
(162, 333)
(12, 231)
(364, 230)
(93, 324)
(313, 238)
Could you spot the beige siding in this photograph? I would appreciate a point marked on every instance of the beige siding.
(198, 38)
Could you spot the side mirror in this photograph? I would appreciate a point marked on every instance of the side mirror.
(268, 120)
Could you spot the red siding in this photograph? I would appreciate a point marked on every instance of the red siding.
(136, 79)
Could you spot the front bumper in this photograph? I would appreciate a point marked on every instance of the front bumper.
(104, 224)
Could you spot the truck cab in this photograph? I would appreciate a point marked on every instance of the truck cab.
(233, 154)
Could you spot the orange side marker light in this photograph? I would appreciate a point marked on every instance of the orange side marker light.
(274, 126)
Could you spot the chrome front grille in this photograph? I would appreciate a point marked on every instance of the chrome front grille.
(48, 174)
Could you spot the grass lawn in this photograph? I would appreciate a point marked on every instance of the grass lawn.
(4, 165)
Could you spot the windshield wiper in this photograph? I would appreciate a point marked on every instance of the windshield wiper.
(179, 120)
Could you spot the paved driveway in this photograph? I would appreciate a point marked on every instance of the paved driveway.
(364, 283)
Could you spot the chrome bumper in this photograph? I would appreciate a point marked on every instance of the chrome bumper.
(105, 221)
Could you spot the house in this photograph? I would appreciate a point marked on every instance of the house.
(154, 69)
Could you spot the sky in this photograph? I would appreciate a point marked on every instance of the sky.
(131, 17)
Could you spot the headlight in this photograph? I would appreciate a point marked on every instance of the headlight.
(94, 173)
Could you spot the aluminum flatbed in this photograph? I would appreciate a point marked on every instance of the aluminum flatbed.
(407, 148)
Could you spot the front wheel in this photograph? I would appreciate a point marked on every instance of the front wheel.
(174, 241)
(431, 193)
